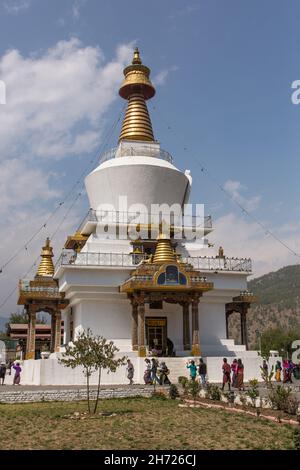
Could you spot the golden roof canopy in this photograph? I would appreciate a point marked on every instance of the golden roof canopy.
(46, 267)
(137, 88)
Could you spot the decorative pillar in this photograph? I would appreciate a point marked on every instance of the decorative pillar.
(134, 326)
(57, 331)
(186, 326)
(66, 319)
(227, 314)
(244, 335)
(141, 328)
(52, 341)
(196, 351)
(30, 345)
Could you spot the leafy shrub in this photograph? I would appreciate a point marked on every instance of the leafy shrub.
(193, 388)
(296, 438)
(173, 392)
(253, 391)
(213, 392)
(279, 397)
(292, 405)
(267, 376)
(183, 381)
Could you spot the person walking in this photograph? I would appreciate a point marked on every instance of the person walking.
(202, 371)
(147, 373)
(18, 371)
(193, 370)
(278, 370)
(287, 376)
(164, 372)
(154, 365)
(2, 372)
(226, 373)
(265, 368)
(234, 367)
(130, 371)
(240, 375)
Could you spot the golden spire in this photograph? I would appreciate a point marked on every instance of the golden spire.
(46, 267)
(137, 88)
(164, 252)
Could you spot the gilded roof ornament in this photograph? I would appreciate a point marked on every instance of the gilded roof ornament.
(164, 252)
(46, 267)
(137, 88)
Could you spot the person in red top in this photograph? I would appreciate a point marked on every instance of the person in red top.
(226, 373)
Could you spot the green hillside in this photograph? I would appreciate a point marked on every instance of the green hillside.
(278, 304)
(281, 287)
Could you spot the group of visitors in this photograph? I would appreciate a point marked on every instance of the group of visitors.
(155, 373)
(17, 368)
(233, 375)
(286, 370)
(199, 369)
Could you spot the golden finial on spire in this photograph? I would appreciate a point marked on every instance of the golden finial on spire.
(46, 267)
(164, 252)
(137, 88)
(136, 56)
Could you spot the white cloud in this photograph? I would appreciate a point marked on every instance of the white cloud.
(161, 77)
(76, 8)
(21, 185)
(241, 237)
(56, 105)
(56, 98)
(14, 7)
(234, 188)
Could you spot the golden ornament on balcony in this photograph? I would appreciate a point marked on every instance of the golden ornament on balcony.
(46, 267)
(164, 252)
(137, 88)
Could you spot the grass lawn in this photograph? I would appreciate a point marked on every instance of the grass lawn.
(139, 423)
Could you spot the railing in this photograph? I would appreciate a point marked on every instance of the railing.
(145, 218)
(100, 259)
(137, 151)
(201, 263)
(213, 263)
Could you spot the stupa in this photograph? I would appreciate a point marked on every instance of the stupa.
(133, 274)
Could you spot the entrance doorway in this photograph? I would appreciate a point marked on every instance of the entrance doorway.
(156, 334)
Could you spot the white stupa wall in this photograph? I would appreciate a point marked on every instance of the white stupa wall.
(142, 179)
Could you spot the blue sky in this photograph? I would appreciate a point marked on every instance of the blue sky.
(223, 72)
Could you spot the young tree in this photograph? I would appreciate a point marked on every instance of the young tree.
(92, 353)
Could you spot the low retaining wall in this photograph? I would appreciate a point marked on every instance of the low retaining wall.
(50, 372)
(29, 396)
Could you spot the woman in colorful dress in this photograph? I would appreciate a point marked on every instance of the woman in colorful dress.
(278, 370)
(240, 375)
(234, 367)
(147, 373)
(286, 372)
(193, 370)
(18, 371)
